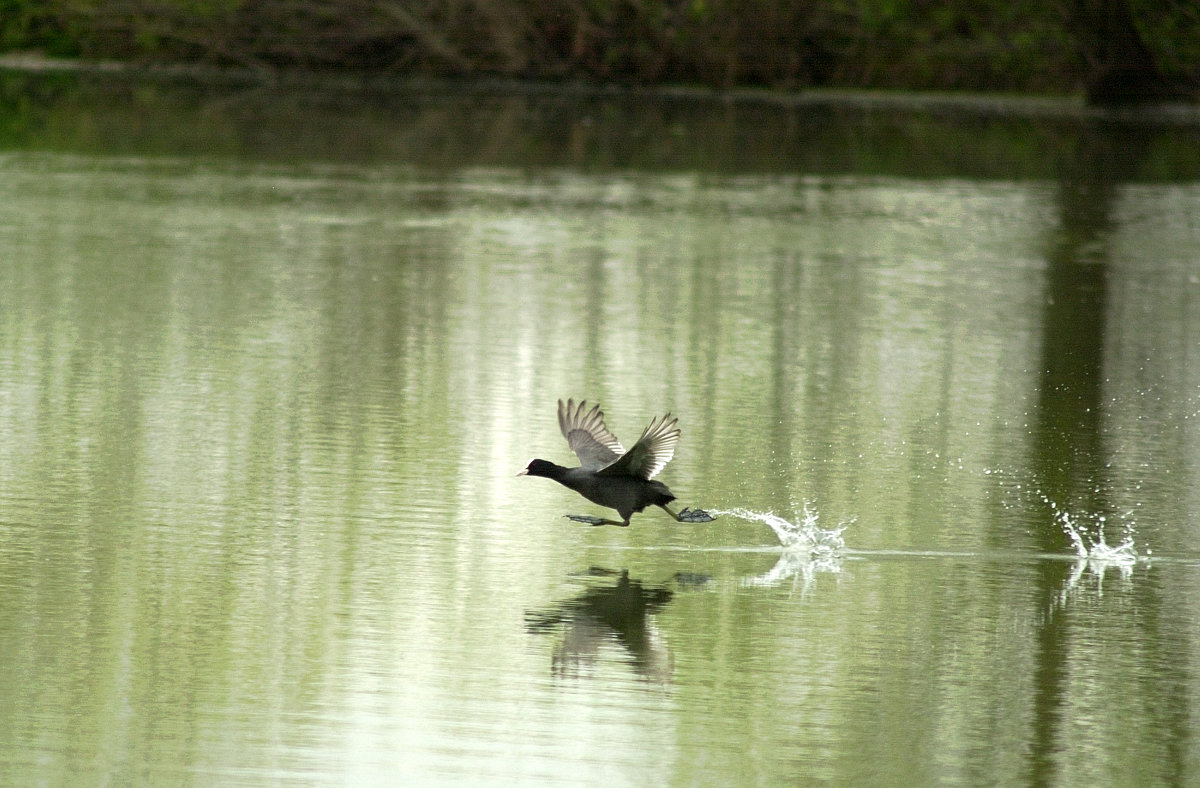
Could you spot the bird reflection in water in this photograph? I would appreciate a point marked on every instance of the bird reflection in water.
(607, 614)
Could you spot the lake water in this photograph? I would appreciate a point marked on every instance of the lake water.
(269, 361)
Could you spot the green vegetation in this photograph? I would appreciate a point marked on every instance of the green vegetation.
(1113, 49)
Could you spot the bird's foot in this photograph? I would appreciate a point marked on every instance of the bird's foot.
(583, 518)
(687, 515)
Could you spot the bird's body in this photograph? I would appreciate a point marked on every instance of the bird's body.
(607, 474)
(627, 494)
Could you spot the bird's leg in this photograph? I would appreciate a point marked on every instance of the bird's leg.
(687, 515)
(668, 510)
(583, 518)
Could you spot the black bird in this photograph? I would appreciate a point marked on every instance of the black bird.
(610, 476)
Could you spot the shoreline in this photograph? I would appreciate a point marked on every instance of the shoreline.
(1069, 106)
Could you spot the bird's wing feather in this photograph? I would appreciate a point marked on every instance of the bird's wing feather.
(587, 436)
(652, 451)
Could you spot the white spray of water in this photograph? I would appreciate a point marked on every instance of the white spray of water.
(802, 536)
(1085, 530)
(808, 549)
(1094, 548)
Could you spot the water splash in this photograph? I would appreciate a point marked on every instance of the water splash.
(808, 549)
(1089, 543)
(1085, 530)
(802, 536)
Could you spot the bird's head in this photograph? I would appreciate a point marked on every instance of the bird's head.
(536, 468)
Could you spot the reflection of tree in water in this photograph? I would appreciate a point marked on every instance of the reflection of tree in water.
(1072, 447)
(607, 614)
(1068, 430)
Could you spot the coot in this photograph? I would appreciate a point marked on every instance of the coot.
(607, 474)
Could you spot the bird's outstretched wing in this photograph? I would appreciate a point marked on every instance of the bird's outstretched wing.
(653, 450)
(587, 436)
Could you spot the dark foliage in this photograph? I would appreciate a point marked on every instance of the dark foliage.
(1113, 50)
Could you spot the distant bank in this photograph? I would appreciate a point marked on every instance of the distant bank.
(1109, 51)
